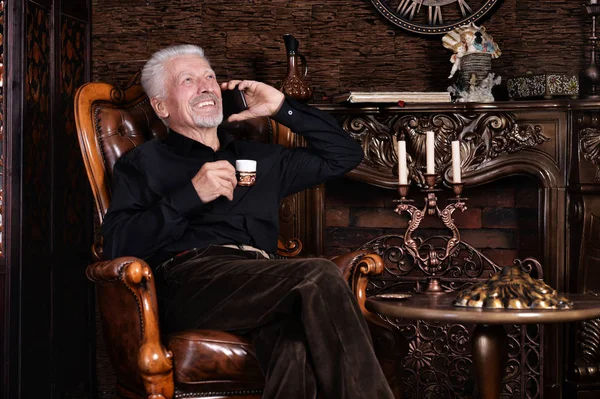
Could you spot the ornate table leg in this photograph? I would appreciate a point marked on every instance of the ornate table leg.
(489, 359)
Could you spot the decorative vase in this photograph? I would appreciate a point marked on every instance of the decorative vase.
(478, 64)
(294, 84)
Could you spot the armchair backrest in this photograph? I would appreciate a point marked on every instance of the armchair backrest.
(111, 121)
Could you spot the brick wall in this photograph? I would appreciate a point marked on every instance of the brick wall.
(348, 44)
(501, 218)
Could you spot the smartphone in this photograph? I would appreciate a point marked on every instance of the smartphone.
(234, 102)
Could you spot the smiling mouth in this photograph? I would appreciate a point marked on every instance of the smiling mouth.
(204, 104)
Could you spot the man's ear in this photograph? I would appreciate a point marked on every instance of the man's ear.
(159, 107)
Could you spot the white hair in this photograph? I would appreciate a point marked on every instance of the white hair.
(154, 72)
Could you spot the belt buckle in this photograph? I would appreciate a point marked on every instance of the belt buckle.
(248, 248)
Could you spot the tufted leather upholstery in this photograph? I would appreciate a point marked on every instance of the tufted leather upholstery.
(121, 129)
(199, 363)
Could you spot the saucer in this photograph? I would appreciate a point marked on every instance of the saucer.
(404, 295)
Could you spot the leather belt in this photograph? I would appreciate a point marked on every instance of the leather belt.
(181, 257)
(245, 247)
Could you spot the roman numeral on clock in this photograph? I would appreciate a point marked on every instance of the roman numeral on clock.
(407, 8)
(435, 15)
(464, 7)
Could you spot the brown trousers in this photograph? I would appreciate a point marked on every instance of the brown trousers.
(308, 331)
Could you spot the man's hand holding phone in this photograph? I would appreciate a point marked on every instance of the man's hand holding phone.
(234, 102)
(260, 98)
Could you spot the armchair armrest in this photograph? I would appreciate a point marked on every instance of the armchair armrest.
(390, 345)
(126, 297)
(289, 248)
(357, 267)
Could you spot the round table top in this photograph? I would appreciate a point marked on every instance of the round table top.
(438, 307)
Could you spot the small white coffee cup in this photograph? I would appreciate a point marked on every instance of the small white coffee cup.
(246, 172)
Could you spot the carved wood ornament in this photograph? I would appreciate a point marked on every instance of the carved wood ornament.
(497, 141)
(483, 137)
(589, 143)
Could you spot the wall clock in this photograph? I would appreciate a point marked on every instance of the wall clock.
(433, 17)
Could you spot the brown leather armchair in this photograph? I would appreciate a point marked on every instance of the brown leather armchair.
(197, 363)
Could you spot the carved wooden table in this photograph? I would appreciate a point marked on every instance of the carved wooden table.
(489, 337)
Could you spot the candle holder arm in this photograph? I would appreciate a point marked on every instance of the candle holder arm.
(446, 217)
(416, 217)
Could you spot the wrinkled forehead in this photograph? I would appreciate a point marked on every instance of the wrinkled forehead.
(188, 63)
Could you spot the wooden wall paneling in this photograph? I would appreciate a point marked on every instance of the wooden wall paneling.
(47, 208)
(36, 267)
(4, 275)
(72, 213)
(3, 269)
(14, 38)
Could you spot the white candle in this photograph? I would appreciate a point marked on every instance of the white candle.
(430, 152)
(402, 169)
(456, 178)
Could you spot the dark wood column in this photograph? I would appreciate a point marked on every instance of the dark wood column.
(47, 212)
(583, 379)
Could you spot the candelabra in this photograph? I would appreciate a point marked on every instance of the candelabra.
(433, 261)
(592, 73)
(511, 289)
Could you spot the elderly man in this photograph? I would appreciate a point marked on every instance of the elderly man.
(176, 203)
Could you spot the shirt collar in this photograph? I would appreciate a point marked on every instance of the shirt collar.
(183, 145)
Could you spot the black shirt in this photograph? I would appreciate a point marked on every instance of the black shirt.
(156, 213)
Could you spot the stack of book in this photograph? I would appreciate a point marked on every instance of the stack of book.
(399, 97)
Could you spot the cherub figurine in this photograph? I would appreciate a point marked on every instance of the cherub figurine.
(468, 39)
(464, 46)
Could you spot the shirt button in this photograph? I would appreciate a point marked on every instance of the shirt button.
(290, 112)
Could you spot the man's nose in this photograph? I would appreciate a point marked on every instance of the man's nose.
(205, 86)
